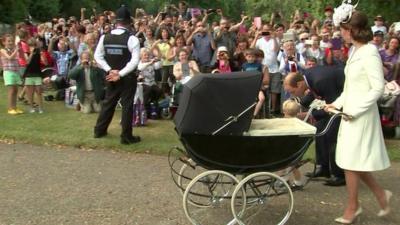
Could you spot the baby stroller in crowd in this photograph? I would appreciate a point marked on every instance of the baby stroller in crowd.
(64, 90)
(139, 110)
(387, 106)
(170, 105)
(222, 173)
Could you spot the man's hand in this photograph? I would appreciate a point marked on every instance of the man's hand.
(329, 107)
(113, 76)
(46, 80)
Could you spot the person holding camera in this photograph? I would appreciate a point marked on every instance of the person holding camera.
(89, 83)
(265, 41)
(224, 36)
(118, 54)
(313, 50)
(184, 11)
(63, 55)
(147, 74)
(184, 69)
(203, 46)
(162, 46)
(224, 63)
(291, 61)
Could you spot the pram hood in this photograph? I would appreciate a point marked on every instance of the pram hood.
(210, 101)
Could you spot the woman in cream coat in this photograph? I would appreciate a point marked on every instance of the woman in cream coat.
(360, 146)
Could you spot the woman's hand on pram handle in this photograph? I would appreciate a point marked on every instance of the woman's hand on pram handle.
(329, 108)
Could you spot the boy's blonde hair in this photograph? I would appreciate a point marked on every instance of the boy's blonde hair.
(290, 108)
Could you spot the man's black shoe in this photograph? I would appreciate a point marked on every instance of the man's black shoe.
(318, 173)
(295, 187)
(335, 182)
(130, 140)
(100, 135)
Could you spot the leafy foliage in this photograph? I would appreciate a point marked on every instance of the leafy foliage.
(389, 9)
(12, 11)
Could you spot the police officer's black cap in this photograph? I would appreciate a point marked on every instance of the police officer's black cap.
(123, 14)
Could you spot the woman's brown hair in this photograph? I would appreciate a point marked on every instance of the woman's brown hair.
(358, 26)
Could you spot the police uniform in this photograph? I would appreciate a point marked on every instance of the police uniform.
(120, 51)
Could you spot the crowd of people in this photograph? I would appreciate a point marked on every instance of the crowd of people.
(107, 54)
(181, 42)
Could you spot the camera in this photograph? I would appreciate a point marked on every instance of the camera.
(265, 33)
(290, 58)
(221, 53)
(309, 42)
(211, 11)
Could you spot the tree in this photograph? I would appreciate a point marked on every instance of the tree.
(389, 9)
(44, 10)
(12, 11)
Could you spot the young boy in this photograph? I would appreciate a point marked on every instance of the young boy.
(291, 109)
(252, 64)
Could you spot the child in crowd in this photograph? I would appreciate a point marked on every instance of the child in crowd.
(63, 56)
(33, 76)
(11, 75)
(89, 84)
(291, 109)
(252, 64)
(23, 55)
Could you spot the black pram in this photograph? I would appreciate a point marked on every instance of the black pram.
(227, 154)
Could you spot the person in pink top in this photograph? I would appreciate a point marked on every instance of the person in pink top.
(23, 55)
(224, 64)
(12, 78)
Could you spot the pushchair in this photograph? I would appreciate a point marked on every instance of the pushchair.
(387, 107)
(225, 171)
(169, 107)
(139, 111)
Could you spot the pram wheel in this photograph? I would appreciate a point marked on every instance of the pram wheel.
(207, 197)
(267, 198)
(188, 171)
(166, 114)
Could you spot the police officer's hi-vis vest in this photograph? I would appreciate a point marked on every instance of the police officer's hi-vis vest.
(117, 54)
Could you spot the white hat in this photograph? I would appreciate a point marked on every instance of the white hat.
(222, 49)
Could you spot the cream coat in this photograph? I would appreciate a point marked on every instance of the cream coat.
(360, 145)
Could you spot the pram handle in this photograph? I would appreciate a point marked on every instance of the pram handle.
(340, 113)
(336, 113)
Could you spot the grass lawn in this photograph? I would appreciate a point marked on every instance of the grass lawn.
(61, 126)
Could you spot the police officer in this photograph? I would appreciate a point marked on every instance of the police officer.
(118, 54)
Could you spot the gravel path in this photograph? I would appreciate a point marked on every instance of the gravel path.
(49, 186)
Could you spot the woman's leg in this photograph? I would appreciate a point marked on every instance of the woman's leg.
(352, 182)
(378, 191)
